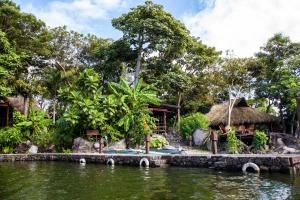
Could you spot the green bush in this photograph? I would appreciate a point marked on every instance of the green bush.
(190, 123)
(260, 140)
(9, 138)
(35, 127)
(67, 151)
(158, 141)
(7, 150)
(234, 145)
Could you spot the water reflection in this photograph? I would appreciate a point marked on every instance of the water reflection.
(58, 180)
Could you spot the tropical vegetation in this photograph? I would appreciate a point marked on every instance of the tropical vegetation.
(87, 82)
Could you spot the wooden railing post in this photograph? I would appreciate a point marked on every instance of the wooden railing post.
(147, 143)
(214, 142)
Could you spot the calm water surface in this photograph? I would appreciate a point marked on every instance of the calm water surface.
(71, 181)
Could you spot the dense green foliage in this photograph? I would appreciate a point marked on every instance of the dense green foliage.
(260, 140)
(234, 145)
(190, 123)
(82, 81)
(34, 128)
(9, 138)
(132, 108)
(158, 141)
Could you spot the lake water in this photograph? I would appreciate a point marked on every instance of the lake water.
(71, 181)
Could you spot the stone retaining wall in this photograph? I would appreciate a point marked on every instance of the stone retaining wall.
(272, 163)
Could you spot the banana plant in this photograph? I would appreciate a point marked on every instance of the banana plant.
(85, 109)
(135, 118)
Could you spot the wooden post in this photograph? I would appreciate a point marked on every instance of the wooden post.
(147, 143)
(165, 122)
(190, 140)
(7, 115)
(214, 141)
(101, 144)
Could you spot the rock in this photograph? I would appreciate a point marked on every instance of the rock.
(33, 149)
(81, 145)
(47, 149)
(289, 150)
(199, 136)
(169, 147)
(118, 145)
(22, 148)
(96, 145)
(280, 143)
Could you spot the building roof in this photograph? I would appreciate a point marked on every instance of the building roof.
(241, 114)
(17, 103)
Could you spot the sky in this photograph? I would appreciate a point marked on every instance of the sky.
(241, 26)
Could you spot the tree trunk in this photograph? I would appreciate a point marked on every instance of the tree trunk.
(229, 113)
(26, 106)
(178, 108)
(54, 111)
(292, 124)
(139, 60)
(282, 118)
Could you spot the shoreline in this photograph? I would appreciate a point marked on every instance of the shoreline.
(287, 163)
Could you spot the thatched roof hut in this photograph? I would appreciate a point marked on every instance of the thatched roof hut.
(8, 104)
(241, 114)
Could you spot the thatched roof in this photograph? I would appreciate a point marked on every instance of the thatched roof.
(241, 114)
(17, 103)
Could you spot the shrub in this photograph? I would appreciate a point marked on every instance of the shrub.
(158, 141)
(7, 150)
(260, 140)
(192, 122)
(67, 151)
(234, 145)
(35, 127)
(9, 138)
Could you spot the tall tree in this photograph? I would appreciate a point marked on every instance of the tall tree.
(278, 79)
(29, 37)
(10, 62)
(149, 29)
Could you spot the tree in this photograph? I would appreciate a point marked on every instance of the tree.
(149, 29)
(278, 77)
(237, 79)
(29, 37)
(184, 81)
(10, 62)
(112, 59)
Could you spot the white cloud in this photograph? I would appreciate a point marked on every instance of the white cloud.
(76, 14)
(244, 25)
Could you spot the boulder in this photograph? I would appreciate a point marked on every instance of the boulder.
(47, 149)
(81, 145)
(169, 147)
(96, 145)
(22, 148)
(118, 145)
(33, 149)
(199, 136)
(287, 150)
